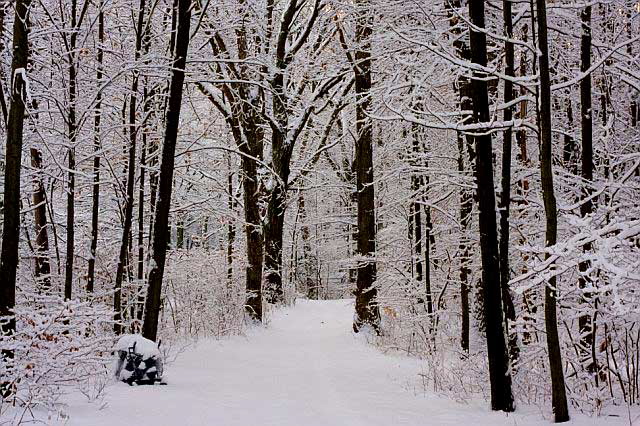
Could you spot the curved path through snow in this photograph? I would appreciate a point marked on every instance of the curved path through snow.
(305, 368)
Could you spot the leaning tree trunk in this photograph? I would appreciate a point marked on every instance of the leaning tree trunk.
(367, 310)
(500, 377)
(559, 396)
(13, 165)
(161, 223)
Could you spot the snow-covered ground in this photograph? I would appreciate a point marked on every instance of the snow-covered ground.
(305, 368)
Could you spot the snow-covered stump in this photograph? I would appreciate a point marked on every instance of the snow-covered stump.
(138, 361)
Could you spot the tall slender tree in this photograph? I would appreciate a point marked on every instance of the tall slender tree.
(505, 195)
(95, 198)
(131, 170)
(161, 222)
(500, 376)
(586, 207)
(13, 166)
(559, 396)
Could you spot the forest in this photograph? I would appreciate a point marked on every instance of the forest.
(454, 184)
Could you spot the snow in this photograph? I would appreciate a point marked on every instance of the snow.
(145, 347)
(304, 368)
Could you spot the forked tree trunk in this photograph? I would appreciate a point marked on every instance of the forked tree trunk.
(500, 376)
(156, 269)
(559, 396)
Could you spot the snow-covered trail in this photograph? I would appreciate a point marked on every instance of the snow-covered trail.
(305, 368)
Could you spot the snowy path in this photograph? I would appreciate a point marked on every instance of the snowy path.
(304, 369)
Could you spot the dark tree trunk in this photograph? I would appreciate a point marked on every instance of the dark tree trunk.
(152, 305)
(367, 309)
(311, 286)
(586, 208)
(427, 257)
(95, 206)
(13, 165)
(43, 267)
(253, 231)
(466, 206)
(463, 87)
(143, 167)
(73, 133)
(415, 223)
(231, 227)
(559, 397)
(569, 153)
(505, 197)
(131, 173)
(501, 396)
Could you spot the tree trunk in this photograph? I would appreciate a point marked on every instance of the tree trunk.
(43, 267)
(501, 397)
(73, 133)
(586, 208)
(367, 310)
(152, 305)
(466, 206)
(131, 173)
(463, 87)
(95, 200)
(559, 397)
(505, 198)
(231, 227)
(415, 223)
(253, 231)
(13, 165)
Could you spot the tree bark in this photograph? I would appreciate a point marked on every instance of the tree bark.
(500, 377)
(586, 208)
(367, 309)
(95, 199)
(559, 397)
(71, 153)
(131, 173)
(13, 165)
(505, 196)
(152, 305)
(43, 267)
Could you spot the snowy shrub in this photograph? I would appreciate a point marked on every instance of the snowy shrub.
(59, 346)
(199, 299)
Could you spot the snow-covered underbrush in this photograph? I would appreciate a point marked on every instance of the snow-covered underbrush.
(199, 300)
(58, 347)
(61, 347)
(601, 368)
